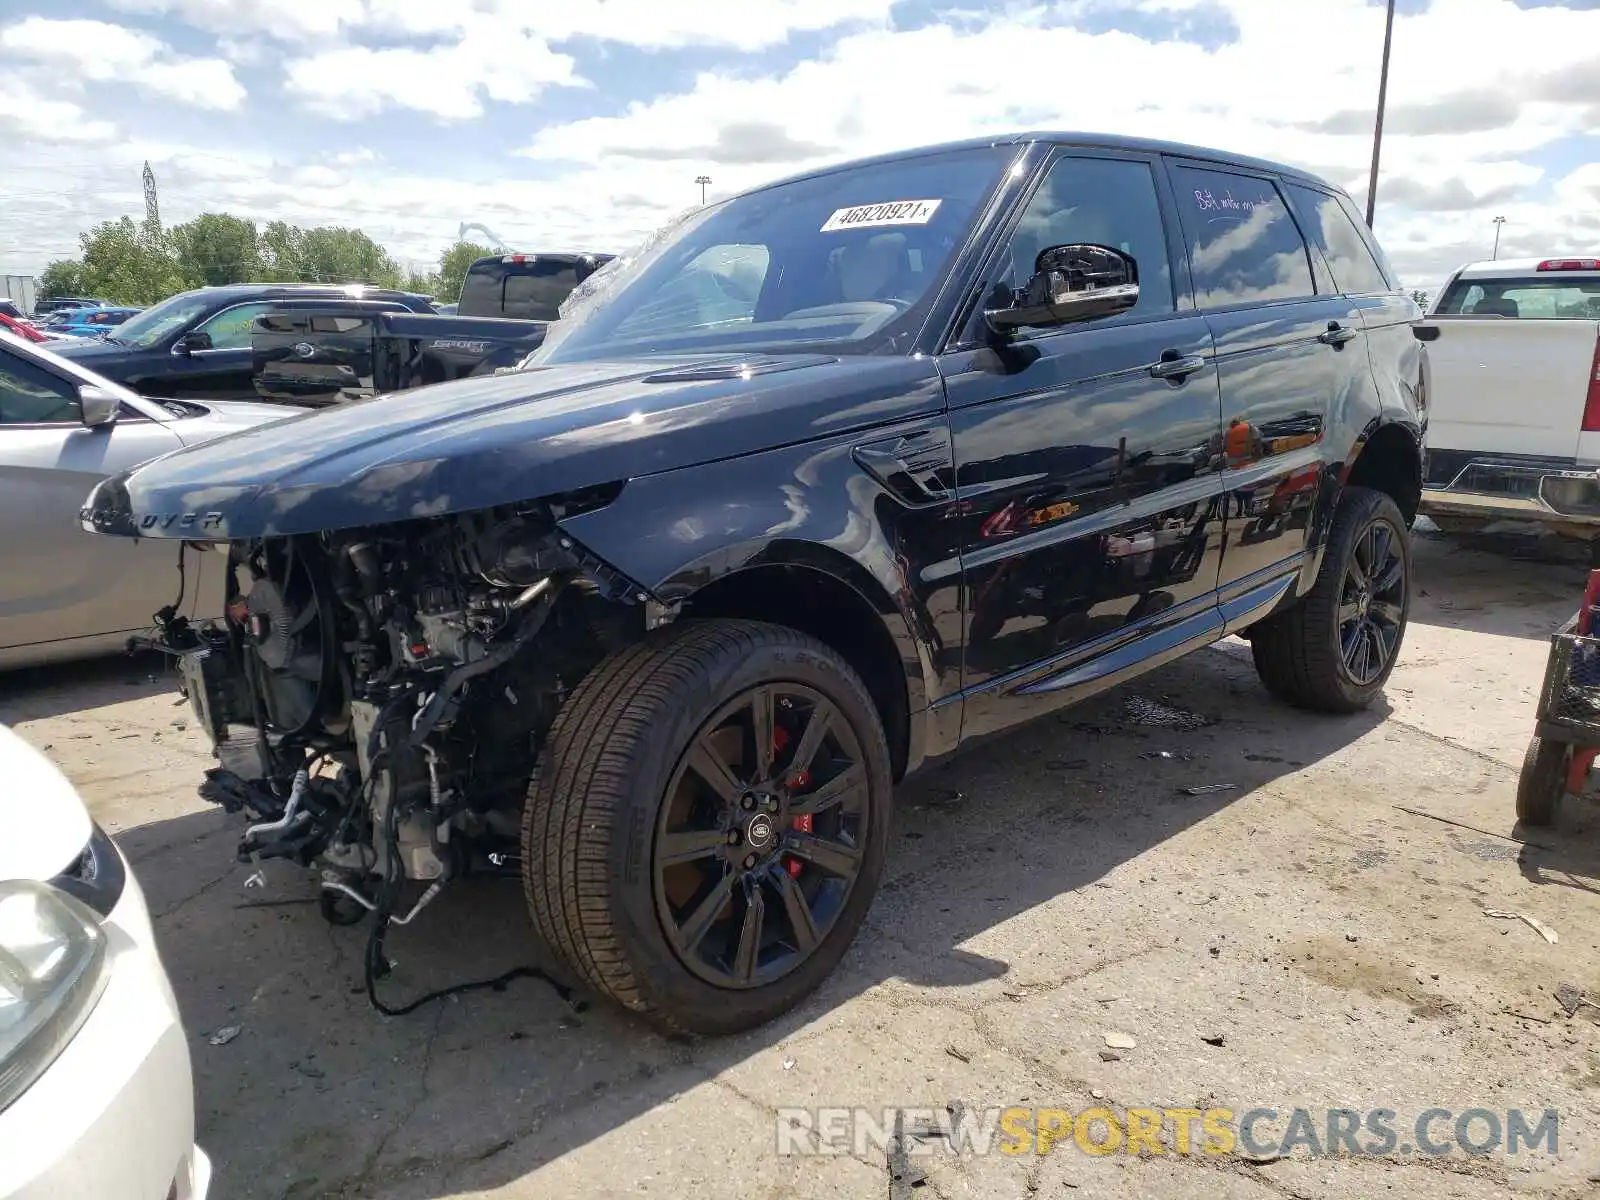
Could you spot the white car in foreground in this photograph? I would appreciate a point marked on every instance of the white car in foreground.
(96, 1094)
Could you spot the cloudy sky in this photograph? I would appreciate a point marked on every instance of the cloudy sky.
(583, 123)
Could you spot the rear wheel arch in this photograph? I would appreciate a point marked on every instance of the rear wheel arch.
(1388, 458)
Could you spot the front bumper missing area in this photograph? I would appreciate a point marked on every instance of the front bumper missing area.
(1565, 500)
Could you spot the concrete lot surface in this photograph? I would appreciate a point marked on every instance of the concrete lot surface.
(1325, 922)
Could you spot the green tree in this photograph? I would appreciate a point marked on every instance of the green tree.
(127, 263)
(64, 277)
(216, 248)
(282, 250)
(453, 264)
(333, 254)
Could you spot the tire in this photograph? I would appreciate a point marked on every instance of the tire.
(1542, 783)
(599, 805)
(1300, 653)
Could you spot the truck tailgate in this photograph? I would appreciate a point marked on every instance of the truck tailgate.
(311, 356)
(1512, 386)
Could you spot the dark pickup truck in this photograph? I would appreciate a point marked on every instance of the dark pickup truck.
(196, 345)
(839, 476)
(317, 355)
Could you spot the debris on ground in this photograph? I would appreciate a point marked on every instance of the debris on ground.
(1572, 998)
(225, 1035)
(1118, 1040)
(1139, 710)
(958, 1053)
(788, 1064)
(1207, 789)
(1538, 926)
(1214, 1039)
(1167, 755)
(1110, 1056)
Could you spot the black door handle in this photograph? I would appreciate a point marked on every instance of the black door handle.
(1177, 367)
(1337, 335)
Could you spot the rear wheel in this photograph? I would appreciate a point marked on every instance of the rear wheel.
(1334, 650)
(708, 823)
(1543, 781)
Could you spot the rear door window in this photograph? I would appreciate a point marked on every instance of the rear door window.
(1355, 271)
(1244, 247)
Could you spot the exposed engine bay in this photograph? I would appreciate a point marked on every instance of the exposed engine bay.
(377, 698)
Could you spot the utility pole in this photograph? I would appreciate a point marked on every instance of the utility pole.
(1498, 221)
(1377, 132)
(152, 212)
(702, 180)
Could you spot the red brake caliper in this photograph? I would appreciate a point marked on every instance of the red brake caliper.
(801, 779)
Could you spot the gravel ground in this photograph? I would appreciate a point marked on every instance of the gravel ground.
(1324, 922)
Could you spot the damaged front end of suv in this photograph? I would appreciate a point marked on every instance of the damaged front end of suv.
(377, 697)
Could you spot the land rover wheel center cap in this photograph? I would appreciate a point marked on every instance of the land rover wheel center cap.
(759, 834)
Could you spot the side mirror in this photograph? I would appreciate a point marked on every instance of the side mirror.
(190, 342)
(97, 406)
(1076, 282)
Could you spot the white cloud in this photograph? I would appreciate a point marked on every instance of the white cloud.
(1464, 134)
(290, 20)
(104, 53)
(27, 114)
(449, 81)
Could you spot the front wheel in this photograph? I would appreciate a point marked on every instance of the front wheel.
(1334, 650)
(708, 823)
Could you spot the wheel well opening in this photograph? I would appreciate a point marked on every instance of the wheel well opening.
(836, 615)
(1389, 463)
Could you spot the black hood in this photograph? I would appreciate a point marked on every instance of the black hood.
(476, 443)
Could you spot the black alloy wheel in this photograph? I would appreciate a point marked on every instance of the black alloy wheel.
(760, 837)
(1333, 650)
(1372, 604)
(708, 822)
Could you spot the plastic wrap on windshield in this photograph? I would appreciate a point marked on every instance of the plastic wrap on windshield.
(599, 287)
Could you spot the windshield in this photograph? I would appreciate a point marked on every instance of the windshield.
(1551, 298)
(846, 261)
(154, 324)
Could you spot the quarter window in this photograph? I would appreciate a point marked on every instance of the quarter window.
(1104, 201)
(30, 395)
(1355, 271)
(1244, 247)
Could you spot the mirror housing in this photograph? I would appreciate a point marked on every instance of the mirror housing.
(1080, 281)
(97, 407)
(195, 339)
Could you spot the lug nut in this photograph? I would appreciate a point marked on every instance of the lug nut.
(747, 801)
(733, 837)
(749, 862)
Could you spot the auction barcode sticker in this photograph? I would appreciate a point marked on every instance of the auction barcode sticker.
(893, 212)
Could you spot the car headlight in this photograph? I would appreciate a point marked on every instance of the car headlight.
(52, 970)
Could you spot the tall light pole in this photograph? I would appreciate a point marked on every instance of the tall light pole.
(1377, 132)
(1498, 221)
(702, 180)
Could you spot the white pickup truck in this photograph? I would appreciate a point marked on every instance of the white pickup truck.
(1514, 397)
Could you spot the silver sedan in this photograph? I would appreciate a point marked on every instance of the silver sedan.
(65, 593)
